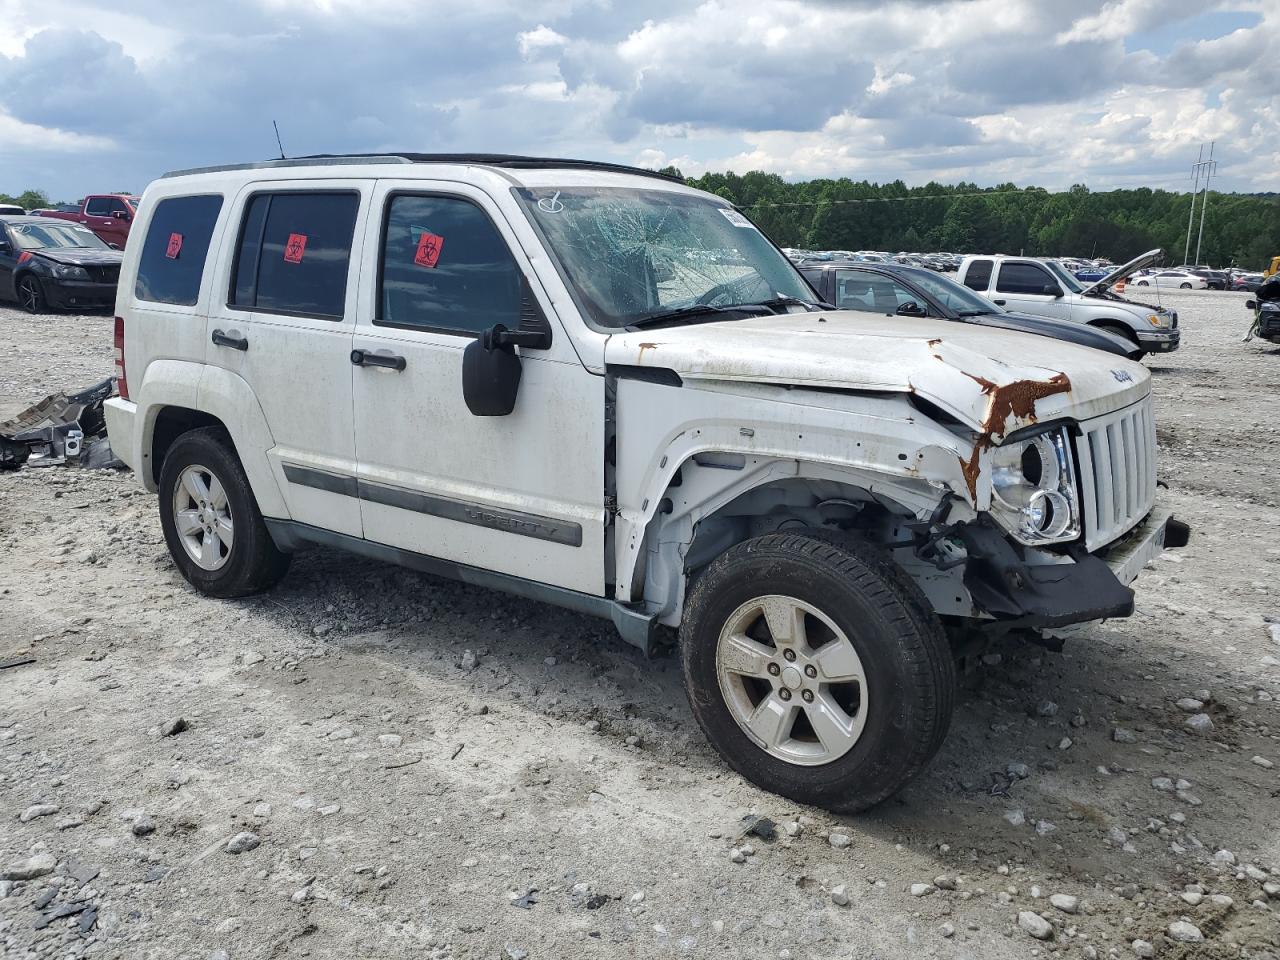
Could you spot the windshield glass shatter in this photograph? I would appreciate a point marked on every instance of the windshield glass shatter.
(634, 253)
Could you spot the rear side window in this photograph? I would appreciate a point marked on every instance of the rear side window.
(446, 267)
(978, 276)
(1022, 278)
(294, 253)
(173, 256)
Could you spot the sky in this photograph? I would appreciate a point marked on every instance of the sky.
(98, 96)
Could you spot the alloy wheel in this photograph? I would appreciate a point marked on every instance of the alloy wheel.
(203, 518)
(792, 680)
(30, 296)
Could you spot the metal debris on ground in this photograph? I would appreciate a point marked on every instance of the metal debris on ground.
(62, 428)
(526, 900)
(761, 827)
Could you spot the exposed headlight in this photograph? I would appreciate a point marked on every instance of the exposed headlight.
(67, 272)
(1156, 320)
(1033, 489)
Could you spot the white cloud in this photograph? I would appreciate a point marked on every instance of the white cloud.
(539, 39)
(984, 90)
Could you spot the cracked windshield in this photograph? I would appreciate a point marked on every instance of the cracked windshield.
(635, 257)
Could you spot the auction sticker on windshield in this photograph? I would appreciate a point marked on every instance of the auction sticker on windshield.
(737, 219)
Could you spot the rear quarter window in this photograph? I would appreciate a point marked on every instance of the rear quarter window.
(171, 266)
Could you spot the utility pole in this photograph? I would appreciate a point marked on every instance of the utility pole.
(1204, 203)
(1191, 217)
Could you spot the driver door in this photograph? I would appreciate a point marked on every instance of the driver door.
(521, 494)
(872, 292)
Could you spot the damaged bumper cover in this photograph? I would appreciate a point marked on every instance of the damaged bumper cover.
(1087, 587)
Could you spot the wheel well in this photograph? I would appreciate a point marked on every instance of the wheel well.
(171, 423)
(1115, 326)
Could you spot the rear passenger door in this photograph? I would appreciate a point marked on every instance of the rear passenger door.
(284, 323)
(521, 494)
(1020, 286)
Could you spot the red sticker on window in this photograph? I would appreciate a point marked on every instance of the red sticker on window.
(296, 247)
(429, 247)
(175, 246)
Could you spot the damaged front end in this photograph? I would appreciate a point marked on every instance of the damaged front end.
(62, 428)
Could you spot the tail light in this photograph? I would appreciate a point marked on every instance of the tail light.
(122, 382)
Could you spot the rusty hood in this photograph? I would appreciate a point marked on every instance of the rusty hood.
(995, 381)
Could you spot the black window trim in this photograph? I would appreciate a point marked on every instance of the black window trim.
(381, 254)
(209, 250)
(235, 260)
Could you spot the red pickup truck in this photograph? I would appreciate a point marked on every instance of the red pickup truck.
(109, 215)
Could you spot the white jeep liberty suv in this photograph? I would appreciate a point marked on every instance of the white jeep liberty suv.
(597, 387)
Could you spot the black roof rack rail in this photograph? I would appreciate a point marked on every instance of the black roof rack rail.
(501, 160)
(512, 162)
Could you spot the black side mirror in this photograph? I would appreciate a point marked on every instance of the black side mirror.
(912, 309)
(120, 215)
(1248, 304)
(1052, 290)
(491, 370)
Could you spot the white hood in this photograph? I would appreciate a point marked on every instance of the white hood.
(996, 381)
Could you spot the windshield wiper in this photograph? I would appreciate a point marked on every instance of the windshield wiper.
(973, 313)
(783, 300)
(694, 310)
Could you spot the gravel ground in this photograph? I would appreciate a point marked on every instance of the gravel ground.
(413, 768)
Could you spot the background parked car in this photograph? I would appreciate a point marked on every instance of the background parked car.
(1246, 282)
(109, 215)
(46, 264)
(11, 210)
(1176, 279)
(907, 291)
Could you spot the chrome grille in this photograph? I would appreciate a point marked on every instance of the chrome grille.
(1117, 457)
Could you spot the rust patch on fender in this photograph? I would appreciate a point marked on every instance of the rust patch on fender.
(1017, 399)
(643, 348)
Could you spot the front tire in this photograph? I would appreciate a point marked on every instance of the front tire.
(210, 518)
(816, 669)
(1184, 286)
(31, 294)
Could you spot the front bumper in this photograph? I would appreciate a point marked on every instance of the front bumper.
(1159, 341)
(1015, 592)
(66, 294)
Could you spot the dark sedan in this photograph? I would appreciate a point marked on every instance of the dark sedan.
(915, 292)
(47, 265)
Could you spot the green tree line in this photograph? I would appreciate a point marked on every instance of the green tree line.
(1240, 229)
(28, 199)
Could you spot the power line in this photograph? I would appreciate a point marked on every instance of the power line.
(1018, 191)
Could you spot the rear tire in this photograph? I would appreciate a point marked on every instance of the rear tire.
(829, 655)
(210, 518)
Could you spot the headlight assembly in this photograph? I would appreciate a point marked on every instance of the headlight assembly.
(67, 272)
(1156, 320)
(1033, 489)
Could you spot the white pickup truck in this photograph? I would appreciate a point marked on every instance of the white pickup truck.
(1048, 289)
(597, 387)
